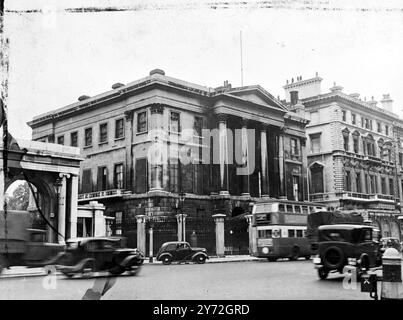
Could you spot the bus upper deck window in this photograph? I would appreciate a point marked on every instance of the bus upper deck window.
(312, 209)
(299, 234)
(304, 209)
(291, 233)
(289, 208)
(297, 209)
(276, 233)
(281, 208)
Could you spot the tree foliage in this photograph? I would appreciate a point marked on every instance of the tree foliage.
(19, 200)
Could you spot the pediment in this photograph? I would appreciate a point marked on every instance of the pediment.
(258, 95)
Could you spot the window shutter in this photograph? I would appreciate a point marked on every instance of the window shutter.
(141, 175)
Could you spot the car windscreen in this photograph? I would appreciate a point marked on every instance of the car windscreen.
(335, 235)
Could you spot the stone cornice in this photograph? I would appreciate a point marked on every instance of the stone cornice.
(334, 96)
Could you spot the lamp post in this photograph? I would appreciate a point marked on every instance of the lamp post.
(58, 187)
(182, 197)
(151, 245)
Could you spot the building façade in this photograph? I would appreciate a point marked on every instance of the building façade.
(166, 154)
(354, 152)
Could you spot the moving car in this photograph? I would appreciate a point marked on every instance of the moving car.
(346, 244)
(22, 246)
(86, 255)
(181, 251)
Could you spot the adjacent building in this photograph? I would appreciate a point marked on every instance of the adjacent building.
(354, 151)
(179, 159)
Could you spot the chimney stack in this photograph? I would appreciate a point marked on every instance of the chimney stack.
(387, 102)
(294, 97)
(336, 88)
(355, 95)
(372, 103)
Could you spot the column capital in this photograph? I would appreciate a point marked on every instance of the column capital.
(222, 117)
(218, 217)
(157, 108)
(129, 115)
(181, 216)
(264, 126)
(141, 218)
(64, 175)
(244, 122)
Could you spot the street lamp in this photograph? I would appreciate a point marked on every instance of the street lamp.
(182, 197)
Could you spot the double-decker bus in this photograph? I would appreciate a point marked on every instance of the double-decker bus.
(279, 228)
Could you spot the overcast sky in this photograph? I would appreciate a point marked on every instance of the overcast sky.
(56, 56)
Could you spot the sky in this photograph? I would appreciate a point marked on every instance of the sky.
(56, 56)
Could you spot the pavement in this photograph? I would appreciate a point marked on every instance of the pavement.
(17, 272)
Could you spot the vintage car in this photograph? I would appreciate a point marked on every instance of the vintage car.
(346, 244)
(181, 251)
(86, 255)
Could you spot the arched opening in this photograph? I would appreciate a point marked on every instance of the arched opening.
(19, 197)
(33, 198)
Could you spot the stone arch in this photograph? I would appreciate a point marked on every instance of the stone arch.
(47, 194)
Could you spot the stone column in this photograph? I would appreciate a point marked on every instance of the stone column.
(264, 161)
(99, 219)
(222, 126)
(281, 165)
(245, 157)
(61, 217)
(2, 189)
(219, 234)
(252, 235)
(181, 219)
(141, 233)
(73, 206)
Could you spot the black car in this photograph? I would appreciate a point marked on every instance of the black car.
(181, 251)
(346, 244)
(86, 255)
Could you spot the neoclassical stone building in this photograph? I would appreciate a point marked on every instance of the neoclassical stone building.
(166, 154)
(354, 151)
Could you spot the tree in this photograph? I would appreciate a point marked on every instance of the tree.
(19, 200)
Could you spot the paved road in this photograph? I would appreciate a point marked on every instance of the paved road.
(233, 280)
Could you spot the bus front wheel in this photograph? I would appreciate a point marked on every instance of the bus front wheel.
(322, 273)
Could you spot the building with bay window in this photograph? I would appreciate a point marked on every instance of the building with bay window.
(173, 156)
(354, 152)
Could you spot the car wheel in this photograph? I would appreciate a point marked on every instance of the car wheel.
(166, 260)
(272, 259)
(88, 269)
(333, 258)
(116, 270)
(68, 274)
(200, 259)
(134, 270)
(294, 253)
(322, 273)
